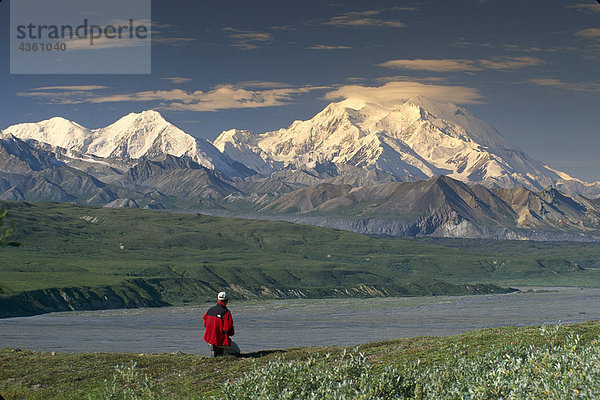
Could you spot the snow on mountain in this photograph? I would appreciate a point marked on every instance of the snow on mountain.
(419, 138)
(141, 135)
(18, 156)
(241, 145)
(565, 176)
(56, 131)
(134, 136)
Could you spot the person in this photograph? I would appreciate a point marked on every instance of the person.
(218, 327)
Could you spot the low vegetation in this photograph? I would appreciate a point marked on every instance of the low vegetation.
(564, 368)
(547, 362)
(90, 257)
(5, 232)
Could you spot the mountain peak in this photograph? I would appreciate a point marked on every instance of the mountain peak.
(144, 117)
(446, 111)
(57, 131)
(416, 139)
(136, 135)
(58, 120)
(355, 104)
(426, 103)
(150, 115)
(418, 106)
(429, 103)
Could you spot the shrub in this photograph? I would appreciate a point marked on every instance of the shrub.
(324, 378)
(563, 368)
(128, 384)
(566, 370)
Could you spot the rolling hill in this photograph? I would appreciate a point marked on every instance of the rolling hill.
(80, 257)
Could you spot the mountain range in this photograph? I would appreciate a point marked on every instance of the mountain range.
(443, 207)
(418, 139)
(417, 168)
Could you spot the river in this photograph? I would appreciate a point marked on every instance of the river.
(282, 324)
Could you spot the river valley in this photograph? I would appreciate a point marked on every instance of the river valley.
(281, 324)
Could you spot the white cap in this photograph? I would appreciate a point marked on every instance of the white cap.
(222, 296)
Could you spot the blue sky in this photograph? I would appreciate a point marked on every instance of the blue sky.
(529, 68)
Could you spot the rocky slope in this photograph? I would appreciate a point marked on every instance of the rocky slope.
(443, 207)
(34, 171)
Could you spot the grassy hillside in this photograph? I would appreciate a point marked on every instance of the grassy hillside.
(108, 258)
(530, 362)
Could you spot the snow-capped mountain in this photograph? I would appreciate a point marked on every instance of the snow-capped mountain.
(134, 136)
(353, 166)
(242, 146)
(56, 131)
(417, 139)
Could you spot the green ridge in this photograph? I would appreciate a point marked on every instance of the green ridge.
(112, 258)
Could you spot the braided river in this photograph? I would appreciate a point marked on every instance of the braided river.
(280, 324)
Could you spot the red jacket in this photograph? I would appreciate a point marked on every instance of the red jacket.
(218, 325)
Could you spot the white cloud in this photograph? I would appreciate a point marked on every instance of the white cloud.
(230, 97)
(72, 87)
(591, 87)
(104, 44)
(590, 33)
(405, 78)
(219, 98)
(177, 80)
(510, 62)
(70, 94)
(460, 65)
(259, 85)
(100, 40)
(364, 18)
(328, 47)
(512, 47)
(587, 7)
(248, 40)
(172, 41)
(393, 93)
(159, 38)
(432, 65)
